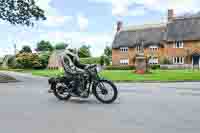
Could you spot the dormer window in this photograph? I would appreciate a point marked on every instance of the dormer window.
(124, 49)
(153, 48)
(178, 44)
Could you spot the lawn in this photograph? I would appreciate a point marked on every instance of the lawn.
(156, 75)
(125, 75)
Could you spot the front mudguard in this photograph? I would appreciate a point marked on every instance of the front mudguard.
(52, 81)
(94, 85)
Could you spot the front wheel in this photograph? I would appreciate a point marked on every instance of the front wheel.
(105, 91)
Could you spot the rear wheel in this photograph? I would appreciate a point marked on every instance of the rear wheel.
(105, 91)
(59, 90)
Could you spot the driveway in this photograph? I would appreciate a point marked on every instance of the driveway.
(26, 107)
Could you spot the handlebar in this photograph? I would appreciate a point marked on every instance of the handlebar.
(90, 66)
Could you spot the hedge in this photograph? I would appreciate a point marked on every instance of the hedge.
(91, 60)
(154, 67)
(119, 68)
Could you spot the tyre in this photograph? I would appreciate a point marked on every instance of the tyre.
(105, 91)
(58, 91)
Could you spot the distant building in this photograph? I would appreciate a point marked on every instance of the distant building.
(54, 60)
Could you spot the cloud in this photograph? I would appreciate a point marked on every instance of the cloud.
(54, 18)
(82, 22)
(6, 51)
(57, 20)
(140, 7)
(97, 41)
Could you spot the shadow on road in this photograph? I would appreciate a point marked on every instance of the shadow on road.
(81, 101)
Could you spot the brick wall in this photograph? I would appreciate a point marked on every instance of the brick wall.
(117, 55)
(168, 51)
(188, 48)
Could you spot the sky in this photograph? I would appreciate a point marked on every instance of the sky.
(90, 22)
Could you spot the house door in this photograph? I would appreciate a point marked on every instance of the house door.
(195, 60)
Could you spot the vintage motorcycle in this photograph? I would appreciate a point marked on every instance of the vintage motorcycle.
(90, 83)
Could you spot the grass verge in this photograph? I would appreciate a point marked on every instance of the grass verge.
(129, 76)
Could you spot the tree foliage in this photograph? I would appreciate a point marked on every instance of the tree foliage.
(102, 61)
(26, 49)
(44, 46)
(61, 46)
(44, 58)
(108, 51)
(22, 12)
(84, 51)
(91, 60)
(107, 60)
(11, 62)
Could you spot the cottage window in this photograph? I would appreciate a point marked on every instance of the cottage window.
(153, 48)
(178, 44)
(124, 61)
(178, 60)
(124, 49)
(153, 61)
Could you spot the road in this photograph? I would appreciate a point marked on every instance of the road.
(26, 107)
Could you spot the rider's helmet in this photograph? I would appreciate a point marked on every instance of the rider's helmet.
(71, 55)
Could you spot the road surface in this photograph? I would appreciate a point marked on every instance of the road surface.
(26, 107)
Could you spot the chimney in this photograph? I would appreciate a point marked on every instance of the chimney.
(170, 15)
(119, 26)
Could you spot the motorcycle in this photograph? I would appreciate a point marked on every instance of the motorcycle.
(90, 83)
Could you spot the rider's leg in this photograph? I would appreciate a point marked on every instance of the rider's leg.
(76, 84)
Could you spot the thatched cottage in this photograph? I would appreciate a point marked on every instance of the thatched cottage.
(177, 41)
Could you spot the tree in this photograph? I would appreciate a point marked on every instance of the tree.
(26, 49)
(61, 46)
(108, 51)
(44, 46)
(22, 12)
(44, 58)
(107, 60)
(84, 51)
(102, 61)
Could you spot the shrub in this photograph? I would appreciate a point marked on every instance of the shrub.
(91, 60)
(119, 68)
(154, 67)
(165, 61)
(28, 60)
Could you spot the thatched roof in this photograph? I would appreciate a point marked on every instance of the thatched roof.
(131, 38)
(184, 29)
(180, 28)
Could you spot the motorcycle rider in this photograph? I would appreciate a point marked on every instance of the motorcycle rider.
(73, 69)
